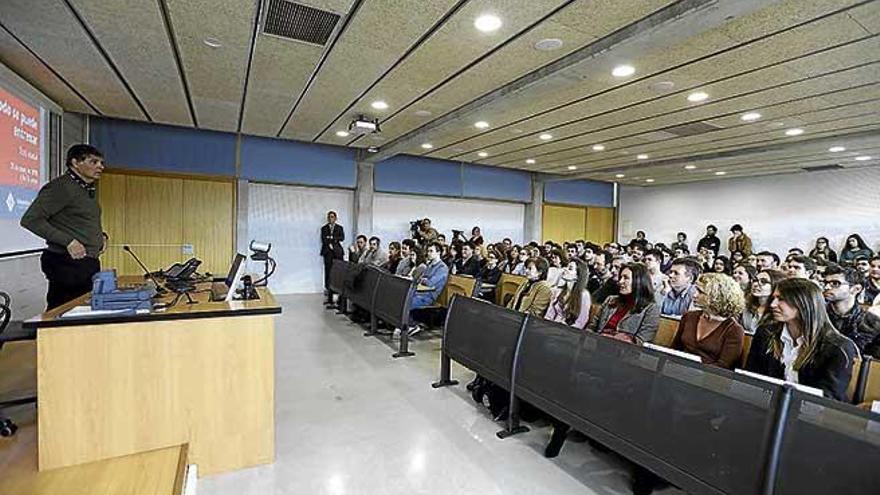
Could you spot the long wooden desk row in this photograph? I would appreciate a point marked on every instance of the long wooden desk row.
(200, 374)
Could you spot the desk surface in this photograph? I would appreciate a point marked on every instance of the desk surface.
(157, 472)
(204, 308)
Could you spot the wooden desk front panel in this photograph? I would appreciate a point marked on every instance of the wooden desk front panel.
(117, 389)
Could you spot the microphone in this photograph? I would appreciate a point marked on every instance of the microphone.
(147, 274)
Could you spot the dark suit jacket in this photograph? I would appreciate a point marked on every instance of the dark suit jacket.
(830, 369)
(331, 241)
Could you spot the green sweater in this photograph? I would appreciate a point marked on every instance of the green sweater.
(63, 211)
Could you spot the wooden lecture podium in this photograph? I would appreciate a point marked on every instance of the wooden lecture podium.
(201, 374)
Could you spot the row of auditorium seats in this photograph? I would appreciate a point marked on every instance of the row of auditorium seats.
(704, 429)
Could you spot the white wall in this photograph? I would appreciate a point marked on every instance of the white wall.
(291, 218)
(777, 212)
(497, 220)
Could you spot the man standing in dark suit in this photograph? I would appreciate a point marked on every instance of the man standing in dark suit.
(332, 236)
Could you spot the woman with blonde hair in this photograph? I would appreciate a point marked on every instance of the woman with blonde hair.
(712, 331)
(800, 344)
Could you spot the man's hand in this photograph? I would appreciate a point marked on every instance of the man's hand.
(76, 249)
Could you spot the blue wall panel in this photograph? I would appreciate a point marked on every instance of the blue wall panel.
(277, 160)
(579, 192)
(497, 183)
(417, 175)
(143, 146)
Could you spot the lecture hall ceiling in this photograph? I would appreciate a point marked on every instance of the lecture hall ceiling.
(715, 88)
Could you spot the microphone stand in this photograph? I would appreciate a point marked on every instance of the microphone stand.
(147, 274)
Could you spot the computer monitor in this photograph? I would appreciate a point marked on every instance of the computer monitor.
(233, 269)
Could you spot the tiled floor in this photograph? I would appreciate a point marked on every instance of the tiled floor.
(350, 419)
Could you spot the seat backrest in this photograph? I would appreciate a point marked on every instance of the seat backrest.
(872, 383)
(594, 310)
(457, 285)
(507, 286)
(747, 346)
(666, 332)
(854, 380)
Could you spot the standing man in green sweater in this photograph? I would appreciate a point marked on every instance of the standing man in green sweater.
(66, 214)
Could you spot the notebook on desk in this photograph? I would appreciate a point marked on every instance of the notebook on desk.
(222, 291)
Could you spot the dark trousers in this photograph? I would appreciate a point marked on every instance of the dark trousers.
(68, 278)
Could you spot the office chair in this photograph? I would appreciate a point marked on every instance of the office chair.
(11, 331)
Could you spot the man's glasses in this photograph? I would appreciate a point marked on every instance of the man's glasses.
(832, 283)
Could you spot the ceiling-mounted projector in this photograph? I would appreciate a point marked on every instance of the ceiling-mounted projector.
(363, 125)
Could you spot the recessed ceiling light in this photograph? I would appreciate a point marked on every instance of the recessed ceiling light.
(427, 146)
(862, 158)
(548, 44)
(546, 137)
(482, 154)
(481, 124)
(423, 113)
(836, 149)
(373, 149)
(663, 86)
(379, 105)
(516, 131)
(641, 156)
(794, 132)
(212, 42)
(750, 117)
(598, 147)
(530, 161)
(342, 133)
(572, 167)
(690, 167)
(623, 71)
(649, 180)
(620, 176)
(721, 172)
(698, 96)
(487, 23)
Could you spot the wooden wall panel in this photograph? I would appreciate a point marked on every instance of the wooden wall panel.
(209, 200)
(600, 224)
(158, 215)
(563, 223)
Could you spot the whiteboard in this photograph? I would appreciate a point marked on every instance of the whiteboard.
(497, 220)
(291, 218)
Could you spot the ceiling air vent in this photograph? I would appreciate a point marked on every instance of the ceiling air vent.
(692, 129)
(299, 22)
(822, 168)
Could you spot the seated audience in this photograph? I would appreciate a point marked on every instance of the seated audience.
(752, 260)
(557, 263)
(712, 331)
(640, 240)
(441, 238)
(520, 267)
(511, 258)
(854, 247)
(758, 298)
(476, 237)
(710, 241)
(767, 261)
(571, 251)
(823, 251)
(507, 243)
(842, 286)
(799, 343)
(533, 297)
(429, 234)
(467, 264)
(736, 258)
(739, 241)
(872, 282)
(374, 254)
(744, 276)
(721, 265)
(679, 291)
(794, 251)
(707, 259)
(609, 285)
(631, 316)
(862, 265)
(357, 249)
(416, 264)
(435, 275)
(490, 274)
(451, 255)
(652, 260)
(570, 302)
(407, 246)
(680, 242)
(800, 266)
(394, 257)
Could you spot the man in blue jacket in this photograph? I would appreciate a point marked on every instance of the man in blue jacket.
(435, 275)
